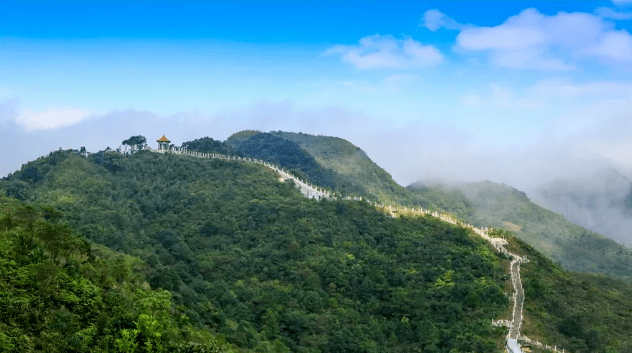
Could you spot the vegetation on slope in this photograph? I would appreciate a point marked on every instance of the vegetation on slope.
(290, 155)
(351, 163)
(250, 258)
(578, 312)
(237, 138)
(484, 204)
(59, 293)
(207, 144)
(487, 204)
(328, 161)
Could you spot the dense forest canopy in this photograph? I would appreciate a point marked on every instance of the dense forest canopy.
(346, 169)
(136, 143)
(207, 144)
(250, 258)
(60, 293)
(501, 206)
(289, 155)
(247, 259)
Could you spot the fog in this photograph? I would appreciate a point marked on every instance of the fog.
(582, 175)
(598, 202)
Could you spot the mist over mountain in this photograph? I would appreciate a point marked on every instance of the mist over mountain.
(489, 204)
(599, 202)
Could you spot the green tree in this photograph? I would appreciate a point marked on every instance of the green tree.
(135, 143)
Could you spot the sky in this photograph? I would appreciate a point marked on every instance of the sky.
(519, 92)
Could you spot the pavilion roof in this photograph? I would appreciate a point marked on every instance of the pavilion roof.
(163, 139)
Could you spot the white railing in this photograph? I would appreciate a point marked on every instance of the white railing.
(306, 189)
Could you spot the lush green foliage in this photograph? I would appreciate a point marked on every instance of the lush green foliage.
(340, 165)
(248, 257)
(484, 204)
(136, 143)
(500, 206)
(357, 172)
(269, 270)
(207, 144)
(289, 155)
(107, 158)
(577, 312)
(237, 138)
(58, 293)
(452, 201)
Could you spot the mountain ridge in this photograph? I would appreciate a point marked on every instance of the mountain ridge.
(194, 221)
(574, 247)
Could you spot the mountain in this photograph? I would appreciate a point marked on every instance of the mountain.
(350, 171)
(253, 261)
(249, 260)
(349, 161)
(601, 202)
(500, 206)
(274, 149)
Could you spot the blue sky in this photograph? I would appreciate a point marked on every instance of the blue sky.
(440, 89)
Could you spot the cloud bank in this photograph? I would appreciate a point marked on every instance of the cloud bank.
(376, 51)
(532, 40)
(410, 152)
(535, 41)
(52, 118)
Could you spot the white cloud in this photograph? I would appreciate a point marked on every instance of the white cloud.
(52, 118)
(614, 45)
(607, 12)
(566, 89)
(434, 19)
(532, 40)
(8, 109)
(497, 97)
(529, 59)
(621, 2)
(379, 51)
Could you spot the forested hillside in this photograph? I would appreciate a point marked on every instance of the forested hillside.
(601, 202)
(60, 293)
(500, 206)
(288, 154)
(207, 144)
(343, 167)
(578, 312)
(352, 163)
(250, 260)
(330, 162)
